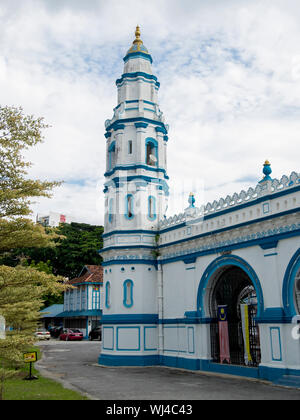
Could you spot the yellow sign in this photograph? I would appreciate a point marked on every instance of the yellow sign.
(30, 357)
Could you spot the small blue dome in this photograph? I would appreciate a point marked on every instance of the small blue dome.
(138, 48)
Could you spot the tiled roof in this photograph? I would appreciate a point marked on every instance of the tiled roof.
(90, 274)
(52, 311)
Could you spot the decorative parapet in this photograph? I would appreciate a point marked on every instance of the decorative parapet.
(266, 188)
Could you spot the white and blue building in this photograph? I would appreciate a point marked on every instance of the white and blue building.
(164, 279)
(83, 302)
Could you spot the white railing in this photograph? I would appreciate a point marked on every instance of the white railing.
(268, 187)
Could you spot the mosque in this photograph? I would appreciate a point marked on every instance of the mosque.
(215, 288)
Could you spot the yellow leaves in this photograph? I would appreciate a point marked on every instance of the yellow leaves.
(18, 132)
(23, 233)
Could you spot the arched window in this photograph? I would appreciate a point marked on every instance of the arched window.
(107, 294)
(151, 152)
(111, 155)
(129, 207)
(297, 291)
(128, 293)
(151, 208)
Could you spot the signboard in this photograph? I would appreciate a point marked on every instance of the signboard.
(2, 327)
(30, 357)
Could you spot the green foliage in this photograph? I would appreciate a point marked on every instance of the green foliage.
(21, 288)
(77, 244)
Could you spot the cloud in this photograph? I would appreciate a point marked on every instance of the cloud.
(230, 90)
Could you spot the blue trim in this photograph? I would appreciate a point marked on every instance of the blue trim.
(106, 249)
(135, 120)
(161, 130)
(119, 182)
(271, 244)
(154, 145)
(129, 261)
(244, 244)
(147, 348)
(289, 285)
(111, 149)
(150, 78)
(141, 125)
(112, 360)
(262, 372)
(107, 294)
(113, 340)
(127, 328)
(223, 261)
(130, 319)
(177, 349)
(138, 54)
(127, 232)
(125, 297)
(270, 240)
(133, 167)
(180, 362)
(279, 338)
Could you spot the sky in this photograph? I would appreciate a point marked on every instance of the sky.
(230, 90)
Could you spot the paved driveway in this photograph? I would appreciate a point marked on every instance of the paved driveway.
(75, 365)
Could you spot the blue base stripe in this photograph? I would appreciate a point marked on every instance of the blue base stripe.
(111, 360)
(288, 377)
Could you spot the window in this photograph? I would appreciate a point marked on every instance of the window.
(151, 152)
(111, 155)
(107, 295)
(128, 293)
(297, 291)
(96, 297)
(129, 207)
(130, 147)
(151, 208)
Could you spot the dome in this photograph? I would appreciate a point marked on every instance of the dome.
(138, 48)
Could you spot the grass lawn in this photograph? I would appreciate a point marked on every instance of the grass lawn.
(41, 389)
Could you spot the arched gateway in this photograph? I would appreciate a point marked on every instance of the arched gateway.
(230, 287)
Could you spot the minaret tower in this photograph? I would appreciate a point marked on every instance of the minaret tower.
(136, 193)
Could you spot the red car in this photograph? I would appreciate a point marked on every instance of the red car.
(68, 334)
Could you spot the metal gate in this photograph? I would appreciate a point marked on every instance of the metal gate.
(232, 289)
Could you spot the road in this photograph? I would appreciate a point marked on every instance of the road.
(74, 364)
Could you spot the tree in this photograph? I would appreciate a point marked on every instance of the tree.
(77, 244)
(21, 288)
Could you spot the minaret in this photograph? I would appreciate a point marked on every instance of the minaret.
(136, 193)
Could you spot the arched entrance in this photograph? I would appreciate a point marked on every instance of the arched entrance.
(297, 291)
(233, 291)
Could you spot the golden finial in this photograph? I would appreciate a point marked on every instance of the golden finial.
(267, 162)
(137, 36)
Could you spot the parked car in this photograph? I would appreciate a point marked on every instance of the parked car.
(72, 335)
(96, 333)
(42, 334)
(56, 331)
